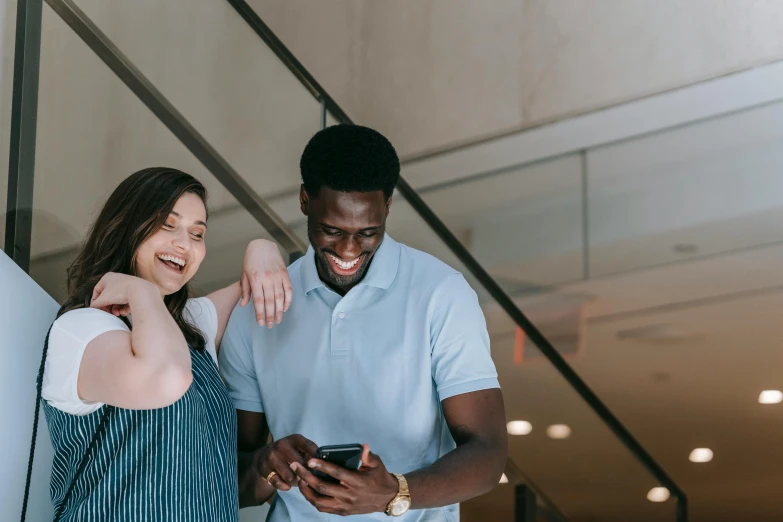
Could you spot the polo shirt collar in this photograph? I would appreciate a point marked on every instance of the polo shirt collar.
(385, 262)
(310, 279)
(382, 272)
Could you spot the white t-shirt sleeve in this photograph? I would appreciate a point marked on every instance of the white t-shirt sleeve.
(70, 335)
(73, 331)
(202, 314)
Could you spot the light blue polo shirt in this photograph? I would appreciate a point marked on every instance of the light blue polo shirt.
(370, 367)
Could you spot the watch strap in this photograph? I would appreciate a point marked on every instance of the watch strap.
(402, 492)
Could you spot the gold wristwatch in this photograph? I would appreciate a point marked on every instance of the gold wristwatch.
(400, 504)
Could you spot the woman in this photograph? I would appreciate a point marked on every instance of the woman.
(139, 418)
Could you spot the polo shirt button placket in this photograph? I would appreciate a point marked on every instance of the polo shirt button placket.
(338, 338)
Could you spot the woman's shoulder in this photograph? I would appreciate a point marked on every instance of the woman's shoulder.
(202, 312)
(203, 315)
(68, 340)
(87, 323)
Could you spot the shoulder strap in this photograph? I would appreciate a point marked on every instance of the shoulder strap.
(38, 386)
(82, 464)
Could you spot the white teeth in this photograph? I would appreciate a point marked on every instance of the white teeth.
(173, 259)
(342, 264)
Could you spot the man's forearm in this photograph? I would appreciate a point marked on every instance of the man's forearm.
(253, 489)
(472, 469)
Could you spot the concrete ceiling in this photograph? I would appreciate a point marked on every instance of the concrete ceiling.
(433, 74)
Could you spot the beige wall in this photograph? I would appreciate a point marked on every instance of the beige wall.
(435, 73)
(430, 73)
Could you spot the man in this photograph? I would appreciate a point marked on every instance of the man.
(383, 345)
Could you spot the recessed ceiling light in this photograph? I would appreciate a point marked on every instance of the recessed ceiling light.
(519, 427)
(658, 495)
(503, 479)
(558, 431)
(701, 455)
(771, 397)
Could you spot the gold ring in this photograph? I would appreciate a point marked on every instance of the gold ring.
(269, 477)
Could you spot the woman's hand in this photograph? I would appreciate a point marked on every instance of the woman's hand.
(113, 293)
(264, 275)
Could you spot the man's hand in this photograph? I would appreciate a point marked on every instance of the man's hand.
(368, 490)
(280, 455)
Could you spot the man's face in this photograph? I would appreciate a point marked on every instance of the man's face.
(345, 230)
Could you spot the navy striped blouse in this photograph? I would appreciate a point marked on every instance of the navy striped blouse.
(177, 463)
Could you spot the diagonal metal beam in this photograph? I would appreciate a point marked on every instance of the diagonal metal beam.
(24, 119)
(177, 124)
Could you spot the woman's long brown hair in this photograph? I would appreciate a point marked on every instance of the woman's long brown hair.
(136, 209)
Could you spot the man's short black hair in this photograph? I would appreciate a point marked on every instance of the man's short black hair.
(349, 158)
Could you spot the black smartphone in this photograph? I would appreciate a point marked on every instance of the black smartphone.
(345, 455)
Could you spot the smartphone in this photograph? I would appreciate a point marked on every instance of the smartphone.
(345, 455)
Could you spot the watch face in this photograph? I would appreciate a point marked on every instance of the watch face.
(400, 507)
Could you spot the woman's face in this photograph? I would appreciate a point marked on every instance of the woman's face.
(170, 257)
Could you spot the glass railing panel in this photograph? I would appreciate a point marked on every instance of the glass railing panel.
(499, 504)
(524, 225)
(590, 474)
(495, 505)
(73, 139)
(702, 190)
(92, 133)
(223, 78)
(686, 241)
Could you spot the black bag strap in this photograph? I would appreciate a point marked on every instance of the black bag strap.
(85, 458)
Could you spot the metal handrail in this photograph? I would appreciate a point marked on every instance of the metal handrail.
(475, 268)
